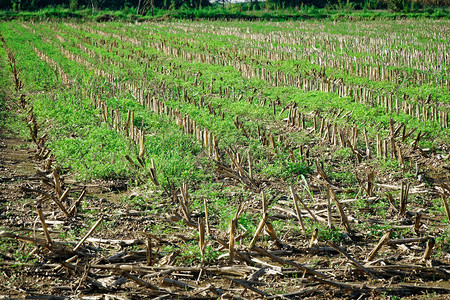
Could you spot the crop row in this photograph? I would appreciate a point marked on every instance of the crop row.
(383, 61)
(373, 39)
(380, 149)
(312, 81)
(362, 93)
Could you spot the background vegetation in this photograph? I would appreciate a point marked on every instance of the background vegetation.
(221, 9)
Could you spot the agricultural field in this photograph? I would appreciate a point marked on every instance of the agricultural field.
(212, 159)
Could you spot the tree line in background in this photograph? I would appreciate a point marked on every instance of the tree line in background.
(142, 7)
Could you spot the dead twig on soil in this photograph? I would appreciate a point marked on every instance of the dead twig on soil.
(49, 196)
(74, 206)
(55, 247)
(404, 198)
(344, 219)
(141, 282)
(258, 230)
(430, 244)
(296, 198)
(349, 257)
(88, 234)
(382, 241)
(44, 225)
(248, 285)
(289, 262)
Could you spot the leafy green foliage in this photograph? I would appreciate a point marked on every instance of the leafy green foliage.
(286, 170)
